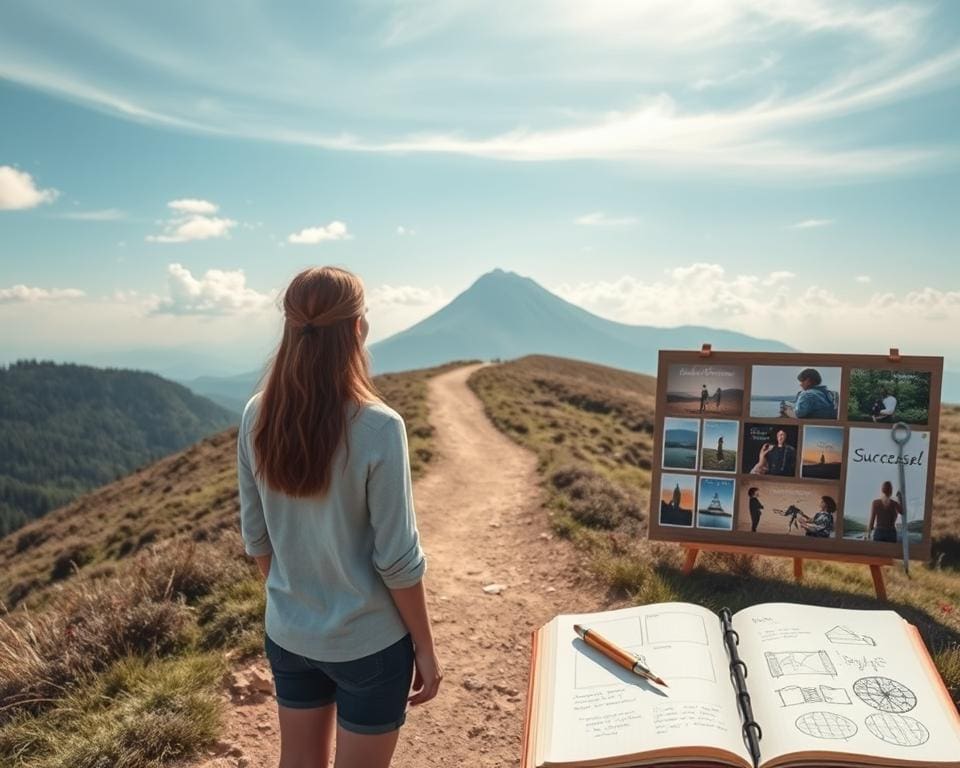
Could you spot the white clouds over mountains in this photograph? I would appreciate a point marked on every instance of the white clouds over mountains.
(19, 190)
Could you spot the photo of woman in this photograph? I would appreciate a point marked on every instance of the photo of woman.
(822, 523)
(884, 512)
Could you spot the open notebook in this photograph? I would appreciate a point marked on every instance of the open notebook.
(816, 687)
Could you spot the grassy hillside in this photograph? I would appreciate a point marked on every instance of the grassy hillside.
(135, 591)
(591, 428)
(65, 429)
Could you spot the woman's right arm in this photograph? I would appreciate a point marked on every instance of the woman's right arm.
(411, 604)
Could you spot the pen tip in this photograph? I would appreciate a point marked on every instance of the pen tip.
(660, 682)
(578, 629)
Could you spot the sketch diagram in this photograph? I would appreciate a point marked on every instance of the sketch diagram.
(783, 663)
(840, 635)
(865, 663)
(826, 725)
(885, 694)
(796, 694)
(675, 627)
(896, 729)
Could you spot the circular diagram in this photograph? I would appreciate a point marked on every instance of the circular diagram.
(898, 729)
(885, 694)
(826, 725)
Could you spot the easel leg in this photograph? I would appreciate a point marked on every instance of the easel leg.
(878, 584)
(798, 569)
(690, 560)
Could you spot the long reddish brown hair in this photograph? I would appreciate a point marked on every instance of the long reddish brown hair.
(319, 369)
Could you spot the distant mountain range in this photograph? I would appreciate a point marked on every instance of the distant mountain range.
(66, 428)
(504, 316)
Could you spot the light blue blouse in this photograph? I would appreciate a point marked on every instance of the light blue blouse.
(334, 557)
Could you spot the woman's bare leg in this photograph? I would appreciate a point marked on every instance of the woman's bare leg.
(358, 750)
(306, 736)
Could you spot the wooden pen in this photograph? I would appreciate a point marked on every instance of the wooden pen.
(624, 658)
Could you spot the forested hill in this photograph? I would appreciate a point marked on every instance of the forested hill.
(65, 429)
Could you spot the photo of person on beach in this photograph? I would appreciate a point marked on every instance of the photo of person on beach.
(822, 457)
(886, 397)
(770, 449)
(705, 390)
(780, 391)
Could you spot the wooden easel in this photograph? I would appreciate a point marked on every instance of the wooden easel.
(692, 550)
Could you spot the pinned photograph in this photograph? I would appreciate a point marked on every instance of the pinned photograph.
(678, 496)
(681, 439)
(886, 397)
(793, 509)
(822, 457)
(793, 392)
(718, 448)
(705, 390)
(770, 449)
(716, 496)
(874, 503)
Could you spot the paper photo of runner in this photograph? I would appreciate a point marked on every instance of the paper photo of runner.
(705, 390)
(793, 509)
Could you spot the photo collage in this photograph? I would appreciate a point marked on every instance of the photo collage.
(776, 450)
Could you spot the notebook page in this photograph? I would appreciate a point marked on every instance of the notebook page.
(602, 710)
(829, 679)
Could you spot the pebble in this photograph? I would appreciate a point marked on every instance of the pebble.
(494, 589)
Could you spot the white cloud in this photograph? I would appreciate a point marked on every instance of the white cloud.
(217, 292)
(811, 224)
(601, 219)
(774, 306)
(335, 230)
(864, 279)
(193, 221)
(18, 190)
(405, 231)
(30, 294)
(105, 214)
(394, 308)
(192, 205)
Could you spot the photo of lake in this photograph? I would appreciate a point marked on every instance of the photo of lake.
(681, 441)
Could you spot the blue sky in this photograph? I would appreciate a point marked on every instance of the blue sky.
(788, 169)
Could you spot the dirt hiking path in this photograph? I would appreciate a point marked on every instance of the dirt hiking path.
(480, 518)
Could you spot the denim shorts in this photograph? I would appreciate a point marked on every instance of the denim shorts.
(370, 692)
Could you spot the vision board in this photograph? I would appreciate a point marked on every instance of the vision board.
(795, 451)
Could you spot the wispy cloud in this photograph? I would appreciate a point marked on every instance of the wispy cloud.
(193, 222)
(335, 230)
(811, 224)
(864, 279)
(24, 294)
(660, 84)
(216, 292)
(405, 231)
(105, 214)
(19, 190)
(601, 219)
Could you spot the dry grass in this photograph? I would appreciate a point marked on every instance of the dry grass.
(591, 428)
(115, 610)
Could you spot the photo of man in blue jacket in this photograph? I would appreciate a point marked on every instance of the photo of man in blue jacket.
(814, 400)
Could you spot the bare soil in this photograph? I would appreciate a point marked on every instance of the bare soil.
(480, 514)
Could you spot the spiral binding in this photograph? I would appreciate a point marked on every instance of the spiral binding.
(752, 732)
